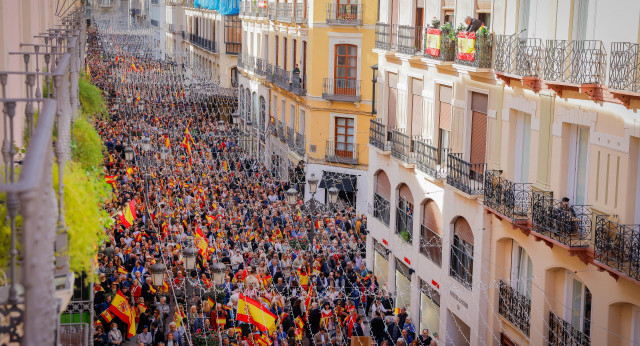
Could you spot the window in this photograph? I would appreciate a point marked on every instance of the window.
(247, 104)
(578, 164)
(523, 147)
(461, 266)
(485, 18)
(380, 263)
(283, 115)
(381, 196)
(241, 104)
(392, 96)
(277, 51)
(263, 114)
(275, 107)
(444, 121)
(254, 108)
(344, 137)
(523, 17)
(292, 116)
(414, 125)
(579, 304)
(301, 122)
(403, 285)
(479, 104)
(346, 73)
(284, 52)
(429, 309)
(521, 270)
(431, 233)
(294, 43)
(580, 15)
(404, 214)
(234, 77)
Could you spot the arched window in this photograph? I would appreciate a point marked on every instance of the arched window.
(461, 267)
(234, 77)
(263, 113)
(381, 196)
(404, 214)
(254, 107)
(241, 103)
(431, 232)
(247, 104)
(346, 69)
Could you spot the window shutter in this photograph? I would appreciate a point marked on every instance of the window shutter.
(478, 137)
(462, 229)
(479, 102)
(391, 113)
(383, 186)
(484, 5)
(431, 217)
(415, 126)
(445, 116)
(405, 193)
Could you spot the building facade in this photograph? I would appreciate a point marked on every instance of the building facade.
(306, 92)
(478, 140)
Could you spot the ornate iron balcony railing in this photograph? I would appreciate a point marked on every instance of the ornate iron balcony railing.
(344, 14)
(562, 332)
(251, 65)
(515, 307)
(447, 51)
(482, 56)
(290, 137)
(568, 224)
(512, 200)
(381, 209)
(465, 176)
(383, 36)
(269, 73)
(624, 67)
(281, 131)
(576, 62)
(298, 85)
(347, 90)
(284, 12)
(431, 160)
(339, 152)
(300, 148)
(618, 246)
(259, 70)
(431, 245)
(378, 134)
(518, 56)
(410, 39)
(402, 146)
(299, 13)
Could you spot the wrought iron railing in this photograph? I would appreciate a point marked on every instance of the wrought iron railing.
(515, 307)
(272, 9)
(259, 70)
(624, 67)
(251, 65)
(431, 160)
(465, 176)
(345, 14)
(347, 90)
(298, 85)
(568, 224)
(402, 146)
(431, 245)
(447, 51)
(511, 199)
(383, 36)
(300, 148)
(339, 152)
(269, 72)
(284, 12)
(618, 246)
(378, 134)
(482, 55)
(562, 332)
(381, 209)
(409, 39)
(576, 62)
(290, 137)
(282, 77)
(281, 132)
(518, 56)
(299, 13)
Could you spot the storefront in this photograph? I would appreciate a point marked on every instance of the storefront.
(380, 263)
(403, 285)
(429, 308)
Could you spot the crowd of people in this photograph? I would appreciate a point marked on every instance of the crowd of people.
(307, 269)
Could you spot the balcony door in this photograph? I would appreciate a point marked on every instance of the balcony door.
(578, 304)
(444, 122)
(346, 64)
(521, 270)
(347, 9)
(344, 140)
(523, 147)
(578, 164)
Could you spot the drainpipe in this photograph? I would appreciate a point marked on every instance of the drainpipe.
(374, 68)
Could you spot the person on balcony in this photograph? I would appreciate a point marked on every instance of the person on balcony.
(473, 24)
(568, 222)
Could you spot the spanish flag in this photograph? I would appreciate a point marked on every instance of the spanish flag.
(110, 179)
(166, 141)
(201, 243)
(251, 311)
(129, 214)
(120, 307)
(466, 45)
(212, 303)
(433, 42)
(299, 322)
(121, 270)
(263, 340)
(107, 316)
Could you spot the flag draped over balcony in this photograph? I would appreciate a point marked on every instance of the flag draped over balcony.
(433, 42)
(466, 45)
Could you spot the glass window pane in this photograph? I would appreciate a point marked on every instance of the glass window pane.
(342, 50)
(353, 50)
(352, 72)
(340, 138)
(341, 61)
(350, 131)
(340, 72)
(350, 147)
(341, 121)
(340, 130)
(340, 146)
(350, 122)
(353, 61)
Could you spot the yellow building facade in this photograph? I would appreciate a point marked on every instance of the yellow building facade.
(306, 89)
(472, 157)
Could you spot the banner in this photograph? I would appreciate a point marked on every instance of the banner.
(434, 37)
(466, 45)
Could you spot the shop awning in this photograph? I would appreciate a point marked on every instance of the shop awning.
(342, 181)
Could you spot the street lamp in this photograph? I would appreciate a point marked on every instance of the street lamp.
(189, 255)
(146, 144)
(157, 273)
(313, 183)
(164, 152)
(292, 196)
(333, 195)
(129, 153)
(218, 270)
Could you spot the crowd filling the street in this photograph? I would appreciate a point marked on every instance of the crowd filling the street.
(208, 247)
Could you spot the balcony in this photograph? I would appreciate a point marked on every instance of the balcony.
(578, 65)
(378, 134)
(409, 39)
(401, 147)
(567, 225)
(259, 70)
(251, 64)
(624, 72)
(299, 13)
(431, 245)
(271, 10)
(300, 148)
(269, 72)
(298, 85)
(562, 332)
(291, 140)
(482, 56)
(284, 12)
(345, 90)
(431, 160)
(508, 199)
(241, 60)
(282, 78)
(381, 209)
(514, 307)
(465, 176)
(344, 14)
(203, 43)
(519, 59)
(444, 39)
(281, 132)
(338, 152)
(383, 36)
(616, 246)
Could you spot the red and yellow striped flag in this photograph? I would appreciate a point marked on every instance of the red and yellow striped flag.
(129, 214)
(466, 45)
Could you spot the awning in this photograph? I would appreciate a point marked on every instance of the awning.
(342, 182)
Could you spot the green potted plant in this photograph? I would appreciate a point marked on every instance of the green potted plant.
(405, 235)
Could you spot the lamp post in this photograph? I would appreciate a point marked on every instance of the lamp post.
(292, 197)
(218, 270)
(189, 255)
(157, 273)
(129, 153)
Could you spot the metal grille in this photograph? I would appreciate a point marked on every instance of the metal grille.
(431, 245)
(562, 332)
(401, 146)
(344, 14)
(513, 200)
(569, 225)
(348, 155)
(482, 57)
(431, 160)
(577, 62)
(381, 209)
(624, 70)
(517, 56)
(409, 39)
(377, 134)
(618, 246)
(347, 90)
(300, 144)
(383, 36)
(515, 307)
(465, 176)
